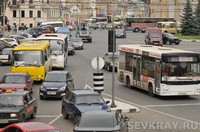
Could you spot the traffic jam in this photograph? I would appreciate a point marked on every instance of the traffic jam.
(40, 55)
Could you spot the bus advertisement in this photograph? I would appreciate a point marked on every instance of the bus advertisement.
(138, 24)
(161, 71)
(32, 57)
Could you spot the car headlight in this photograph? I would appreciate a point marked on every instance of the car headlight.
(42, 88)
(13, 115)
(122, 33)
(62, 88)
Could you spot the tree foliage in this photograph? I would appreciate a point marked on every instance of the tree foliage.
(187, 20)
(197, 19)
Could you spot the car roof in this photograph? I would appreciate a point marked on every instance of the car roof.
(98, 119)
(7, 49)
(83, 91)
(58, 72)
(16, 73)
(35, 126)
(15, 93)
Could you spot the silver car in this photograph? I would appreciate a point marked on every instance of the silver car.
(77, 43)
(6, 56)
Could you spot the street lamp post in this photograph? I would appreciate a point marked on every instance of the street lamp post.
(3, 25)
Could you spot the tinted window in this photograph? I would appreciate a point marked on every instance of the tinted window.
(53, 77)
(14, 79)
(89, 99)
(12, 99)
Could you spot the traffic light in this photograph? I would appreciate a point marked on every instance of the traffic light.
(111, 40)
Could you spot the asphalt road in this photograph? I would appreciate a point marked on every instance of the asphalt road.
(168, 114)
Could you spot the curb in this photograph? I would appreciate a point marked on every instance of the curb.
(189, 40)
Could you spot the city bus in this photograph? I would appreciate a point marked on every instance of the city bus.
(169, 27)
(161, 71)
(137, 24)
(58, 47)
(54, 24)
(32, 57)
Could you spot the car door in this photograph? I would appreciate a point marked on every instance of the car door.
(70, 104)
(70, 81)
(121, 122)
(31, 104)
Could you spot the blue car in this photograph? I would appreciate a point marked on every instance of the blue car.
(76, 102)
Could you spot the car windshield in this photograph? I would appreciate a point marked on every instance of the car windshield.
(5, 51)
(53, 77)
(119, 30)
(11, 100)
(89, 99)
(56, 49)
(155, 35)
(16, 79)
(76, 40)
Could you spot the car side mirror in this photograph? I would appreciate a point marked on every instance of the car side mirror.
(107, 102)
(70, 79)
(45, 58)
(25, 103)
(28, 81)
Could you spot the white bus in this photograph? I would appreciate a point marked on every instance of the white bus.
(159, 70)
(54, 24)
(58, 48)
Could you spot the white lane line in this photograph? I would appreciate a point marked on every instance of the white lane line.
(168, 105)
(47, 116)
(176, 117)
(55, 119)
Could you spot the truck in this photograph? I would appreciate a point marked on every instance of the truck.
(84, 32)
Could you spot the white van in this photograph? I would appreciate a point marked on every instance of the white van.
(54, 24)
(58, 47)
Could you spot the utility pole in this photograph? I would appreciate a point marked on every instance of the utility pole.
(77, 13)
(3, 25)
(19, 4)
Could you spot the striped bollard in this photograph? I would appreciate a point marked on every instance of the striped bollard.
(98, 82)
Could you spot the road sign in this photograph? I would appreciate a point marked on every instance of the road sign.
(98, 63)
(75, 9)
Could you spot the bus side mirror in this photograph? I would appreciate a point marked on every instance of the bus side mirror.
(45, 58)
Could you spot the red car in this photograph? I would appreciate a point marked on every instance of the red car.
(17, 81)
(30, 127)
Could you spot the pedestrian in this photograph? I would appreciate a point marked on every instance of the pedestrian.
(9, 28)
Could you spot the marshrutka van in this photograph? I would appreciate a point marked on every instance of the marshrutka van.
(32, 57)
(58, 48)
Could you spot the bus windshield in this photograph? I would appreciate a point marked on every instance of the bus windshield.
(28, 58)
(56, 49)
(181, 69)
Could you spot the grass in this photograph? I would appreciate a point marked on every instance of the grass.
(188, 37)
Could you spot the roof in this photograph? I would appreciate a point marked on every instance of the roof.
(16, 93)
(154, 51)
(51, 35)
(84, 91)
(16, 73)
(58, 72)
(34, 126)
(32, 45)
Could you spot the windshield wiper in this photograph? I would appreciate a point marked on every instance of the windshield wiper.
(83, 103)
(96, 103)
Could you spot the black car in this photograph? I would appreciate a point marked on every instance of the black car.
(71, 48)
(56, 84)
(102, 121)
(17, 106)
(169, 38)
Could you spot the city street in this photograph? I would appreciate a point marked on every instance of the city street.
(156, 113)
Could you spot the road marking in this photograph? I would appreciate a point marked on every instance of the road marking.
(150, 106)
(47, 116)
(55, 119)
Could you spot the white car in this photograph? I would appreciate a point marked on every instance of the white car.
(12, 41)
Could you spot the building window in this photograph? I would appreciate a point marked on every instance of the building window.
(22, 1)
(31, 14)
(47, 1)
(30, 25)
(14, 2)
(30, 1)
(22, 13)
(39, 14)
(14, 13)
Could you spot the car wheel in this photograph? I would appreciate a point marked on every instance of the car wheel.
(108, 68)
(177, 43)
(65, 115)
(128, 82)
(150, 90)
(23, 118)
(42, 97)
(168, 42)
(34, 114)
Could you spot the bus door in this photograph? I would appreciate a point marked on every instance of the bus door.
(157, 76)
(136, 70)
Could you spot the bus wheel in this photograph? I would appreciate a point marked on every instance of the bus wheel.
(136, 30)
(150, 90)
(128, 82)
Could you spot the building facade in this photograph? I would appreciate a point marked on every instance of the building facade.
(168, 8)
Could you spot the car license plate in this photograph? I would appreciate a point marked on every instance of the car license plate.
(182, 93)
(3, 121)
(51, 93)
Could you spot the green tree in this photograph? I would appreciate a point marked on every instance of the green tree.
(197, 19)
(187, 20)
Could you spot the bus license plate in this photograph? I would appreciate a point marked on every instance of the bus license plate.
(51, 93)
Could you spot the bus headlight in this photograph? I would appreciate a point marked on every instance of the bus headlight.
(13, 115)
